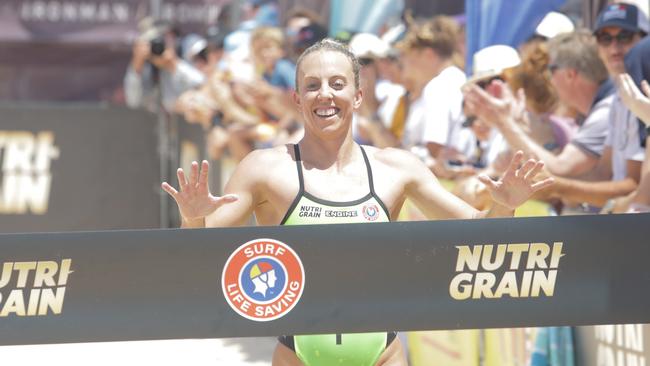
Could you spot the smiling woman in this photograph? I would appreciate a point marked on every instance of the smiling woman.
(327, 178)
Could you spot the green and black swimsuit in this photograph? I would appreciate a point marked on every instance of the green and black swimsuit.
(362, 349)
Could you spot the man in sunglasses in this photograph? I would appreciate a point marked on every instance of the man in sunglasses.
(618, 29)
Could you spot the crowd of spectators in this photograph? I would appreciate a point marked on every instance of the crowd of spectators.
(571, 97)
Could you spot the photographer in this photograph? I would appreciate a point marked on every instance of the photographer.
(155, 63)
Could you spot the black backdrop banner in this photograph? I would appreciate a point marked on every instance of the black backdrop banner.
(78, 167)
(98, 21)
(233, 282)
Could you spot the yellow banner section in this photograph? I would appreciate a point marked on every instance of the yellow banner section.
(491, 347)
(508, 347)
(451, 348)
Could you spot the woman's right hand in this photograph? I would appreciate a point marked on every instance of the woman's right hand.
(193, 198)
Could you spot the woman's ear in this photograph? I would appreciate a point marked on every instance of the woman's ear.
(296, 97)
(358, 98)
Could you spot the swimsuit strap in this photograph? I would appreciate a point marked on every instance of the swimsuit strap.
(296, 152)
(369, 170)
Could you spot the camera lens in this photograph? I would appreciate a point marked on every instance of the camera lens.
(157, 46)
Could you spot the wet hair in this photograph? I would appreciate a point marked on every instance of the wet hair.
(331, 46)
(578, 50)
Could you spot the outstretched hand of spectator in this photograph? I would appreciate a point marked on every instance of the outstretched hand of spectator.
(517, 184)
(634, 99)
(193, 198)
(219, 90)
(495, 105)
(197, 107)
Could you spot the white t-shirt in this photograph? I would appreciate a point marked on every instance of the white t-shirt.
(414, 125)
(467, 145)
(388, 95)
(436, 116)
(443, 106)
(623, 137)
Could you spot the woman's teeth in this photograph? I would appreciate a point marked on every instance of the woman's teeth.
(326, 112)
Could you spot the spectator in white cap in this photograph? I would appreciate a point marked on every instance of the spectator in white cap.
(480, 146)
(380, 97)
(554, 23)
(479, 142)
(195, 51)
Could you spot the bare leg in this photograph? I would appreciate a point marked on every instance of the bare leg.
(283, 356)
(393, 355)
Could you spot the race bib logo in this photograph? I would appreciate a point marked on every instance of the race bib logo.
(371, 212)
(263, 280)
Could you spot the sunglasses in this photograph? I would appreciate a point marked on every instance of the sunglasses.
(553, 67)
(365, 61)
(484, 83)
(623, 37)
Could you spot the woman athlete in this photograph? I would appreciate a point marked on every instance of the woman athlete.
(328, 171)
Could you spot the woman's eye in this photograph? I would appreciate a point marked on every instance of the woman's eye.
(338, 85)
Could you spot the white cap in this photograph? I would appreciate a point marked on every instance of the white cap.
(492, 60)
(554, 23)
(368, 45)
(192, 45)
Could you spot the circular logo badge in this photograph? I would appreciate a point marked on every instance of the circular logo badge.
(370, 212)
(263, 279)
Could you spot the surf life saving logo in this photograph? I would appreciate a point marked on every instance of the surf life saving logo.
(263, 280)
(370, 212)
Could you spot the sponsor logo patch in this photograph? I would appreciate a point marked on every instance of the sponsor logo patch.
(263, 279)
(370, 212)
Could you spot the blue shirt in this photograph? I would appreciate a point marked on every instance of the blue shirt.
(283, 75)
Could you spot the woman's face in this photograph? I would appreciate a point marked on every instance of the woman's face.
(266, 53)
(327, 95)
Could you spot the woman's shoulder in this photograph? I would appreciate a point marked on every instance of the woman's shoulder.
(276, 154)
(392, 157)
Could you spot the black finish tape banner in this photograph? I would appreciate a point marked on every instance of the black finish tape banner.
(263, 281)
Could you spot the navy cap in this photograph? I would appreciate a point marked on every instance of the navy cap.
(624, 16)
(309, 35)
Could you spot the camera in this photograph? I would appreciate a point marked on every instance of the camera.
(157, 45)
